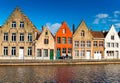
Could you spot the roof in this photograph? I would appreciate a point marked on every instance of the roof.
(97, 34)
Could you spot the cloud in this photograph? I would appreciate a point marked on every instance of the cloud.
(116, 14)
(113, 20)
(117, 25)
(53, 27)
(100, 16)
(96, 21)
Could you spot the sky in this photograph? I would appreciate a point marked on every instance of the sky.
(98, 14)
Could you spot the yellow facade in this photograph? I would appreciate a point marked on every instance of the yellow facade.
(82, 42)
(45, 45)
(17, 28)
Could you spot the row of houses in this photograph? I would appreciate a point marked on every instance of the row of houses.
(20, 39)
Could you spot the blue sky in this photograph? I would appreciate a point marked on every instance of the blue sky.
(98, 14)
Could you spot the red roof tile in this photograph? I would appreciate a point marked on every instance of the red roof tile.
(97, 34)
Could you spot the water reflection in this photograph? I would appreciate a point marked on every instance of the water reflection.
(60, 74)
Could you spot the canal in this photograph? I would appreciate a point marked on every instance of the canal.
(61, 74)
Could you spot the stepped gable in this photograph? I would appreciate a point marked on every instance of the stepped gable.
(18, 10)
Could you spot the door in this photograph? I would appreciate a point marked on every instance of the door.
(51, 54)
(21, 53)
(88, 54)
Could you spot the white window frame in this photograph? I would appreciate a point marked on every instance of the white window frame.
(21, 24)
(13, 37)
(29, 51)
(29, 37)
(5, 37)
(5, 51)
(64, 40)
(21, 37)
(13, 53)
(76, 44)
(13, 24)
(82, 44)
(45, 53)
(88, 44)
(76, 52)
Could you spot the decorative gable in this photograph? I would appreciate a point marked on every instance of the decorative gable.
(18, 17)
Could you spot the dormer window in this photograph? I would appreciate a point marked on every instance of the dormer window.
(83, 33)
(13, 24)
(64, 31)
(112, 37)
(21, 24)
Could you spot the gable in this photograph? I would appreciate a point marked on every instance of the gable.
(63, 30)
(112, 32)
(45, 34)
(18, 16)
(82, 28)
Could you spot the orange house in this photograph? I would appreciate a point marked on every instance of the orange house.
(63, 39)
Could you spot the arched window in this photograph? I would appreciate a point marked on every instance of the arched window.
(46, 33)
(83, 33)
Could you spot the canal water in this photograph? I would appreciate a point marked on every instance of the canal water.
(61, 74)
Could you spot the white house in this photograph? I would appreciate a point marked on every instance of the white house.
(112, 41)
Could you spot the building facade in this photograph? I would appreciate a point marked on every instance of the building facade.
(63, 41)
(112, 42)
(45, 45)
(98, 45)
(82, 42)
(17, 36)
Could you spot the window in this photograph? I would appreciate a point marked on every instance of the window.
(82, 33)
(95, 44)
(58, 40)
(82, 53)
(29, 51)
(101, 43)
(5, 36)
(64, 31)
(110, 53)
(46, 41)
(82, 44)
(58, 50)
(45, 52)
(76, 44)
(112, 44)
(39, 52)
(108, 44)
(29, 37)
(21, 24)
(13, 51)
(88, 43)
(5, 51)
(116, 45)
(76, 52)
(64, 50)
(64, 40)
(13, 37)
(13, 24)
(21, 37)
(112, 37)
(69, 50)
(46, 33)
(69, 40)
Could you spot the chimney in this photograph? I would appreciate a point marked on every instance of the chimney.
(73, 28)
(42, 27)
